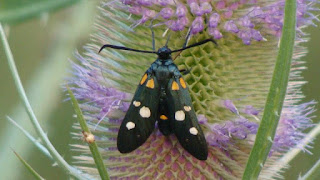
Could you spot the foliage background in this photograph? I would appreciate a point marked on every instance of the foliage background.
(32, 43)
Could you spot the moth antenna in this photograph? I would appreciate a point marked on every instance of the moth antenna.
(196, 44)
(152, 34)
(153, 41)
(125, 48)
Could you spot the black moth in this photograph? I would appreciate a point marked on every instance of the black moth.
(162, 95)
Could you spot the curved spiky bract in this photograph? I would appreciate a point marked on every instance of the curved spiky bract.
(228, 84)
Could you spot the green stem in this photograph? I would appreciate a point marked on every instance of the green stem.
(275, 99)
(313, 173)
(92, 145)
(13, 69)
(43, 149)
(33, 9)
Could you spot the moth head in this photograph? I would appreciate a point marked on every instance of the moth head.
(164, 53)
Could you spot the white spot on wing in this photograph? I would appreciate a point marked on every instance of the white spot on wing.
(136, 103)
(145, 112)
(180, 115)
(130, 125)
(193, 131)
(187, 108)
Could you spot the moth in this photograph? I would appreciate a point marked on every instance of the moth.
(162, 96)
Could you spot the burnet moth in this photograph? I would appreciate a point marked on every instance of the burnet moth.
(162, 95)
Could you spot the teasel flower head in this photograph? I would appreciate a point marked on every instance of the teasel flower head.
(228, 83)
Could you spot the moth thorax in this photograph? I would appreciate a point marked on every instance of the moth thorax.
(164, 53)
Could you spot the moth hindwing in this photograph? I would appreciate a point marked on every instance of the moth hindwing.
(140, 119)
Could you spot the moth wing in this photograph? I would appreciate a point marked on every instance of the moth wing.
(163, 120)
(184, 121)
(139, 121)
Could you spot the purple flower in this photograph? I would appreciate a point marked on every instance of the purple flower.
(228, 83)
(249, 18)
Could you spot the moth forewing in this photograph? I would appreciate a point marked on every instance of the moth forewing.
(139, 121)
(184, 121)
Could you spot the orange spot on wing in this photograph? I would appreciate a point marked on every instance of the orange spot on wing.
(144, 78)
(150, 83)
(182, 82)
(163, 117)
(175, 86)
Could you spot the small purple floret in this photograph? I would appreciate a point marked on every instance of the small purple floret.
(147, 14)
(229, 105)
(181, 10)
(220, 5)
(145, 2)
(231, 26)
(202, 119)
(197, 25)
(135, 10)
(251, 110)
(256, 12)
(256, 35)
(245, 36)
(245, 22)
(214, 20)
(164, 2)
(215, 33)
(205, 7)
(166, 13)
(195, 8)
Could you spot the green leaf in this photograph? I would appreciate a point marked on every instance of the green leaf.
(29, 168)
(43, 149)
(89, 138)
(275, 99)
(17, 11)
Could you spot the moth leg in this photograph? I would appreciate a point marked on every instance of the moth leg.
(185, 71)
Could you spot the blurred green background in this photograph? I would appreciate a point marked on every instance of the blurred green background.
(35, 41)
